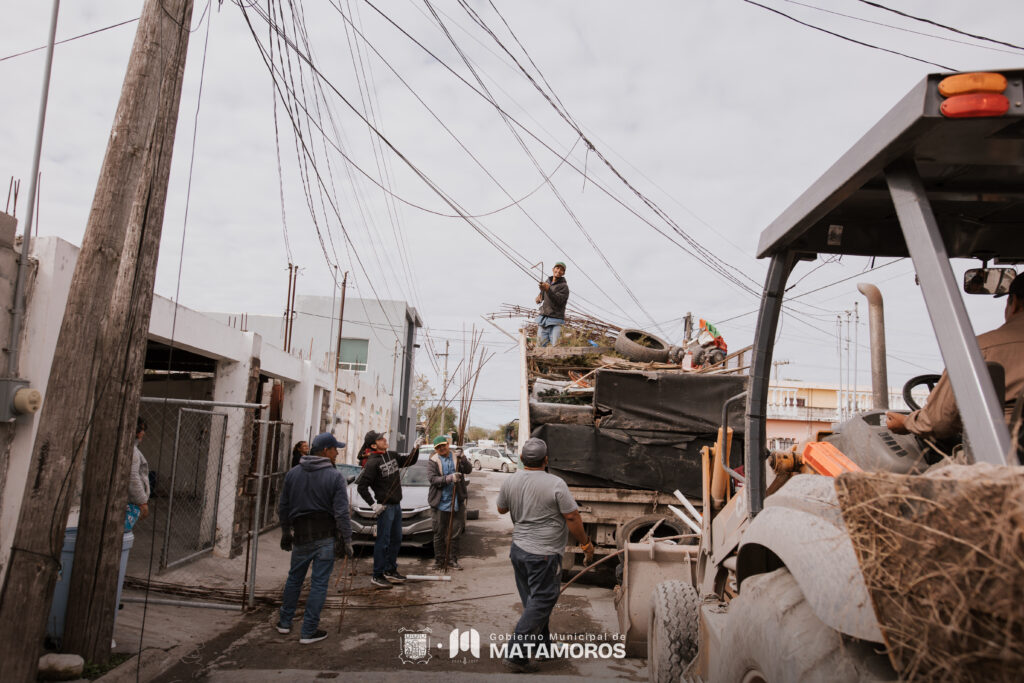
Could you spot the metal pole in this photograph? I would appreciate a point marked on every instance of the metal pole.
(17, 320)
(337, 354)
(265, 425)
(876, 330)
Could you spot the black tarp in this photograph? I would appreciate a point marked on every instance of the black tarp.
(661, 461)
(687, 403)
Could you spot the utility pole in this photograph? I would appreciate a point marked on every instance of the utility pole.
(776, 365)
(89, 393)
(288, 309)
(444, 387)
(337, 354)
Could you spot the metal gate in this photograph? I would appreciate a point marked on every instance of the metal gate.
(193, 490)
(276, 465)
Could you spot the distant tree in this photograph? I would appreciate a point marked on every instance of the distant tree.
(422, 395)
(477, 433)
(507, 433)
(433, 420)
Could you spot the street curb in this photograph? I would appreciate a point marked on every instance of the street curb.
(150, 663)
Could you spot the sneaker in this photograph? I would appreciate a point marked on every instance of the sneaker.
(315, 638)
(380, 582)
(394, 577)
(524, 666)
(454, 564)
(282, 629)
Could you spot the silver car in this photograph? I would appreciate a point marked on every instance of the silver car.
(489, 458)
(417, 523)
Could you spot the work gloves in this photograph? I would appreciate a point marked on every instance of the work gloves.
(342, 548)
(453, 477)
(588, 553)
(286, 540)
(377, 509)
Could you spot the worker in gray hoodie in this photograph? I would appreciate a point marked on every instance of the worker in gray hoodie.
(316, 529)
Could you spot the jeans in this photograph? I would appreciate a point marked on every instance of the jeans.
(443, 550)
(548, 335)
(538, 578)
(389, 540)
(321, 554)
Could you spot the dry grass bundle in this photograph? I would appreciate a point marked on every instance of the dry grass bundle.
(943, 558)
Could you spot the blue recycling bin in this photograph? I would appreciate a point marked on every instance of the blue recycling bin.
(58, 610)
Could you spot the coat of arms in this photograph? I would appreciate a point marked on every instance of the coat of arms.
(415, 645)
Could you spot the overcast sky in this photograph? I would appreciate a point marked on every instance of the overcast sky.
(721, 112)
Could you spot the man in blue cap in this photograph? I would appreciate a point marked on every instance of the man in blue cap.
(554, 294)
(316, 529)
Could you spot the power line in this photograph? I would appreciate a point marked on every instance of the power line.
(846, 38)
(68, 40)
(943, 26)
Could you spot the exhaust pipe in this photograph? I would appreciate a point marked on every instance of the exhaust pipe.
(876, 326)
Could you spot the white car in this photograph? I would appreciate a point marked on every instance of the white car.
(491, 459)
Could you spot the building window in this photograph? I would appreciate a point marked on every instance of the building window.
(801, 403)
(353, 354)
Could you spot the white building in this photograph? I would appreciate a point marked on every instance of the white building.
(376, 365)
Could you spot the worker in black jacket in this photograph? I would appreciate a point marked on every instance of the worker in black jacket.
(554, 295)
(382, 475)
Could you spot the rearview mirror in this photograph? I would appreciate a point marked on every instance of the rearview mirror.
(988, 280)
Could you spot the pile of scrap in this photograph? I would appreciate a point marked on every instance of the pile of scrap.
(942, 556)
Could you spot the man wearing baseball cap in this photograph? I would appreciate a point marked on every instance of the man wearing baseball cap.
(447, 500)
(554, 294)
(382, 474)
(940, 418)
(543, 513)
(316, 529)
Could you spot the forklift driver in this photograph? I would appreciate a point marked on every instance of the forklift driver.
(940, 419)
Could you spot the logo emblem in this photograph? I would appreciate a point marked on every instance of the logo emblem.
(464, 641)
(415, 646)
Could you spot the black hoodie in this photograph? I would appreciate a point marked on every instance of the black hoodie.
(382, 473)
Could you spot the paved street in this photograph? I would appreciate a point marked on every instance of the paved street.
(370, 643)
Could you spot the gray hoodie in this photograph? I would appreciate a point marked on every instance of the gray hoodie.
(315, 485)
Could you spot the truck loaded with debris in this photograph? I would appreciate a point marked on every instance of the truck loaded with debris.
(625, 416)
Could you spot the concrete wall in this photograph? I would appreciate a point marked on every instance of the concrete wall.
(234, 352)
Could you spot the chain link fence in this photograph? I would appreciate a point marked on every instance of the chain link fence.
(216, 468)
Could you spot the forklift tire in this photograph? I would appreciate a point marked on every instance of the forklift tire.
(772, 634)
(638, 345)
(672, 632)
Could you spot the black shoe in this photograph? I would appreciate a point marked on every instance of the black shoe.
(394, 577)
(315, 638)
(524, 666)
(282, 629)
(437, 567)
(454, 564)
(380, 582)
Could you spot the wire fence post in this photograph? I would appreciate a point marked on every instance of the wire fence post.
(260, 461)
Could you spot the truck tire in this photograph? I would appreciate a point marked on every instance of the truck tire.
(640, 346)
(774, 635)
(672, 636)
(635, 529)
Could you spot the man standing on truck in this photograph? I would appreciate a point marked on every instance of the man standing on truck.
(543, 512)
(940, 418)
(554, 294)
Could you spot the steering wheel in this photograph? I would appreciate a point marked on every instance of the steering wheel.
(914, 382)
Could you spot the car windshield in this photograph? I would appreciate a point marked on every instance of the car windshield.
(415, 475)
(348, 470)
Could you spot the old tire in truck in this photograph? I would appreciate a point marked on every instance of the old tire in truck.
(672, 631)
(774, 635)
(635, 529)
(640, 346)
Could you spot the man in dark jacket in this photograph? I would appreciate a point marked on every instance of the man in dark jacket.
(315, 528)
(382, 474)
(447, 499)
(554, 294)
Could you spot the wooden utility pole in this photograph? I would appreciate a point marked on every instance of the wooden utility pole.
(82, 392)
(337, 354)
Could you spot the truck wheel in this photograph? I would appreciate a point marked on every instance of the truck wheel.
(640, 346)
(773, 635)
(635, 529)
(672, 636)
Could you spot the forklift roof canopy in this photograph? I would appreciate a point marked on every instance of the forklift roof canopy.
(972, 170)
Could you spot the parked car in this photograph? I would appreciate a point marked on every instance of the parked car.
(417, 523)
(492, 459)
